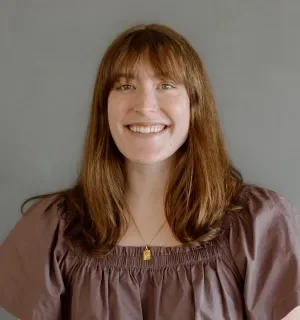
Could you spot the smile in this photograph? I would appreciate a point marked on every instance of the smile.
(147, 131)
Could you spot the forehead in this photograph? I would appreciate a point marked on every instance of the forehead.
(145, 68)
(142, 69)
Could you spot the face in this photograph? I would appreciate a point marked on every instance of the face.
(144, 101)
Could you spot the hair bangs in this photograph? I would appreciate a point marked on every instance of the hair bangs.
(163, 54)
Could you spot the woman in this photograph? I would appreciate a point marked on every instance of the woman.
(159, 225)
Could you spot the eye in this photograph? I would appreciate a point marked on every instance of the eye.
(124, 87)
(167, 86)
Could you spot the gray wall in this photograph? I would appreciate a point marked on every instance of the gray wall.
(49, 55)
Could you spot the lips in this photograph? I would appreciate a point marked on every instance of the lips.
(147, 129)
(146, 124)
(148, 134)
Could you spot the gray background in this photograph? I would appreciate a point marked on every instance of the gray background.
(49, 56)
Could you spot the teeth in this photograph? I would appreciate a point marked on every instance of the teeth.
(147, 129)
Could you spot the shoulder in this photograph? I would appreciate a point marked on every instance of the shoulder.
(42, 218)
(45, 206)
(37, 261)
(266, 229)
(39, 231)
(263, 207)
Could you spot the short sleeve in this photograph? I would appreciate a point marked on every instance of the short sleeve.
(32, 255)
(265, 246)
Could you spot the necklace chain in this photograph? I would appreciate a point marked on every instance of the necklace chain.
(147, 252)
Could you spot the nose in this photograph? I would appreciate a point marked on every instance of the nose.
(146, 101)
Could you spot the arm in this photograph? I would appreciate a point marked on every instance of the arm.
(31, 281)
(265, 245)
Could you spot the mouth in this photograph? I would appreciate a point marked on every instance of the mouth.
(146, 132)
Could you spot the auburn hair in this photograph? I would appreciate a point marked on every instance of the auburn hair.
(203, 186)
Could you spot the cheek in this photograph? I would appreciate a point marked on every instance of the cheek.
(180, 109)
(183, 116)
(115, 110)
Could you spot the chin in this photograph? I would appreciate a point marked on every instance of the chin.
(148, 160)
(144, 161)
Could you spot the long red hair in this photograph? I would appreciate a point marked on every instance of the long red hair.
(203, 185)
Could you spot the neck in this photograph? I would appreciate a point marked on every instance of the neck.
(146, 186)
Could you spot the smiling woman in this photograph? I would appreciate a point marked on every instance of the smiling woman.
(159, 224)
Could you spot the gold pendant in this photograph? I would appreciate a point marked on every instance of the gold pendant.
(147, 254)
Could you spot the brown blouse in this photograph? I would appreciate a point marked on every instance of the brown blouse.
(250, 271)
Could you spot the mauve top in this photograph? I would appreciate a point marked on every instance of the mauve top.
(250, 271)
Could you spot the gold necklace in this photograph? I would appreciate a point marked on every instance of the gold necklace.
(147, 251)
